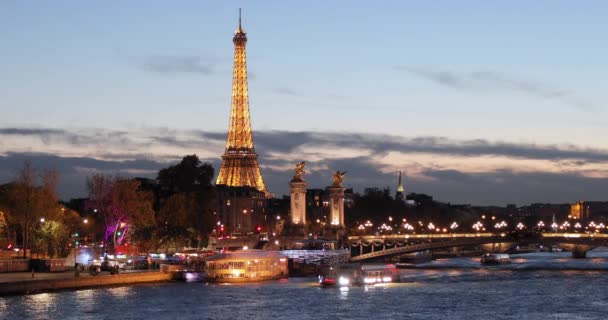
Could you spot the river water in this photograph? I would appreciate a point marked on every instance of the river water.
(535, 286)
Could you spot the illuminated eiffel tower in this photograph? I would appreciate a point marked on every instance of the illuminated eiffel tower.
(240, 162)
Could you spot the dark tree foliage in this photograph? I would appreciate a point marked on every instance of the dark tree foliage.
(190, 175)
(184, 210)
(375, 205)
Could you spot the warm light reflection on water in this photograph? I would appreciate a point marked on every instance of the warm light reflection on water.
(121, 292)
(85, 294)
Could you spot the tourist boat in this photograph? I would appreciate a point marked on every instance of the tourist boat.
(495, 259)
(246, 266)
(376, 274)
(334, 278)
(354, 274)
(328, 281)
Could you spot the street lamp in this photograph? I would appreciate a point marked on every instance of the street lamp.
(454, 225)
(478, 226)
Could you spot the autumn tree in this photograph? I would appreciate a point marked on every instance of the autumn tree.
(120, 201)
(30, 197)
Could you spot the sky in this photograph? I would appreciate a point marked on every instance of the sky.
(481, 102)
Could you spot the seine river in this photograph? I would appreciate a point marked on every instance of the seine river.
(535, 286)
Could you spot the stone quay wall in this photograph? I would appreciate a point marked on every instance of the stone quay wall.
(45, 285)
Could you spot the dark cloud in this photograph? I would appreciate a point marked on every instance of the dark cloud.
(73, 171)
(29, 131)
(50, 135)
(177, 64)
(495, 188)
(504, 187)
(482, 80)
(276, 151)
(288, 141)
(284, 91)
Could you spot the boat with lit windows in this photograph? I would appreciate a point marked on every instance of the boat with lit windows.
(355, 275)
(492, 259)
(379, 273)
(246, 266)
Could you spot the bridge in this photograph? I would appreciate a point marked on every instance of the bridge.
(382, 246)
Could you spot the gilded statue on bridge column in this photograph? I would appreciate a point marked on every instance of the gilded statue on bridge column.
(299, 171)
(338, 177)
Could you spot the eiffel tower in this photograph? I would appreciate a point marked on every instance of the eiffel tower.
(240, 162)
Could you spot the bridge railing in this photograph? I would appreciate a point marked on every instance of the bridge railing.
(426, 236)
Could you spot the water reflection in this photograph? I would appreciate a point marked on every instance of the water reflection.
(85, 294)
(42, 298)
(121, 292)
(343, 293)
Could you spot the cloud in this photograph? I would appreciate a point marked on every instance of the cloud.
(177, 64)
(483, 80)
(154, 140)
(29, 131)
(284, 91)
(451, 170)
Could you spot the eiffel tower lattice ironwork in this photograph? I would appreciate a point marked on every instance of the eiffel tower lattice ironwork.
(240, 166)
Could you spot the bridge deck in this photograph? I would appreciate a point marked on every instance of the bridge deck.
(440, 241)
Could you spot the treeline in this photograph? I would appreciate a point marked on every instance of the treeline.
(30, 213)
(378, 205)
(173, 210)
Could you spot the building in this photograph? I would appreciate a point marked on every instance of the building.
(588, 210)
(242, 209)
(240, 187)
(317, 203)
(579, 211)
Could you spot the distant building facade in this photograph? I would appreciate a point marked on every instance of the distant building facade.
(588, 210)
(241, 209)
(317, 203)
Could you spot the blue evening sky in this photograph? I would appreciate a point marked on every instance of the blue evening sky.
(320, 65)
(472, 89)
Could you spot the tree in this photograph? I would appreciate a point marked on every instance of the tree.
(175, 217)
(54, 234)
(30, 197)
(4, 227)
(185, 206)
(123, 206)
(376, 205)
(190, 175)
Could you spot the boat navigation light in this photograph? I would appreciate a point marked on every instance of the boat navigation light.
(343, 281)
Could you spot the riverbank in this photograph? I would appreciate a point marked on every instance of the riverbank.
(18, 283)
